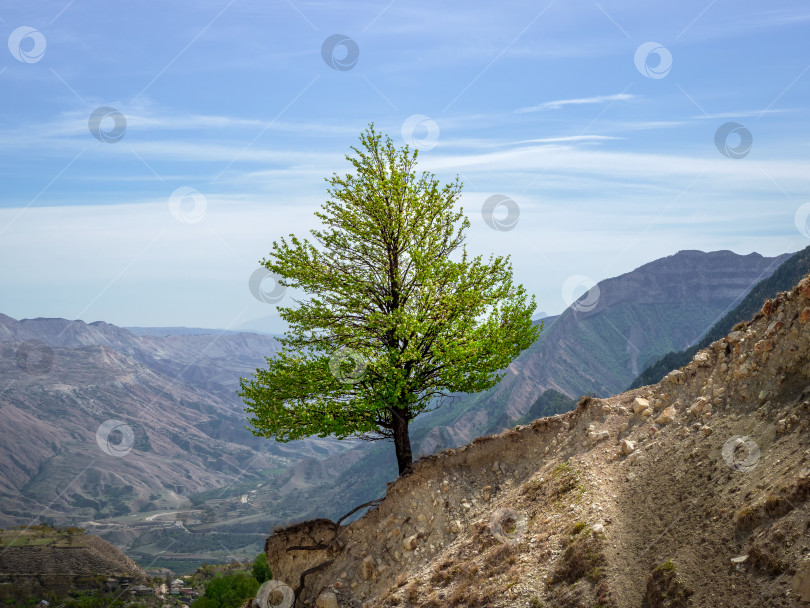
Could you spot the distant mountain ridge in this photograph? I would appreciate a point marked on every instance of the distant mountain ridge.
(669, 300)
(599, 344)
(788, 274)
(97, 423)
(178, 331)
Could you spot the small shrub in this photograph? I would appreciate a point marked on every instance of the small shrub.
(412, 592)
(764, 561)
(261, 571)
(582, 558)
(777, 505)
(665, 589)
(749, 517)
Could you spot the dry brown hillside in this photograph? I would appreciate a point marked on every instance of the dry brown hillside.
(691, 492)
(44, 560)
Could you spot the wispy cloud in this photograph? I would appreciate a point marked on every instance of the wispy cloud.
(561, 103)
(568, 139)
(743, 114)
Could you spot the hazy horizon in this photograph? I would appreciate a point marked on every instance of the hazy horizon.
(148, 168)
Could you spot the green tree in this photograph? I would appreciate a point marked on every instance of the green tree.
(392, 325)
(228, 591)
(261, 571)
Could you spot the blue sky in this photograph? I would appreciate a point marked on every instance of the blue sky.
(598, 120)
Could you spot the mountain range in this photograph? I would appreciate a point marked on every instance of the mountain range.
(138, 434)
(600, 343)
(788, 274)
(104, 427)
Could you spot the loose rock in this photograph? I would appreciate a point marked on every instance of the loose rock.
(640, 404)
(326, 600)
(667, 416)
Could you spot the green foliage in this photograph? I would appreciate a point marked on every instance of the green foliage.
(228, 591)
(785, 278)
(261, 571)
(381, 283)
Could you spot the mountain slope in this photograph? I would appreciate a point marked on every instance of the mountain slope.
(787, 275)
(599, 344)
(691, 492)
(108, 430)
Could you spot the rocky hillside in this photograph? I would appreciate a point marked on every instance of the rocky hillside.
(41, 559)
(690, 492)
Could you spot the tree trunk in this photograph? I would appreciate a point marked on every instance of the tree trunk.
(402, 441)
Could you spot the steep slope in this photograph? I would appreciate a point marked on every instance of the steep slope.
(600, 343)
(691, 492)
(787, 275)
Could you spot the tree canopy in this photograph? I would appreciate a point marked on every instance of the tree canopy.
(398, 316)
(260, 569)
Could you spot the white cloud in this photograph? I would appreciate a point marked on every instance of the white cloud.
(743, 114)
(561, 103)
(568, 139)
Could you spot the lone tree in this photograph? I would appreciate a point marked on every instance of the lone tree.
(392, 324)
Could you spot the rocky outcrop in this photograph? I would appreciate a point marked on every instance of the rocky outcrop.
(649, 494)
